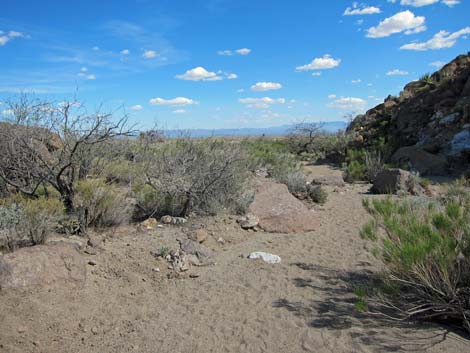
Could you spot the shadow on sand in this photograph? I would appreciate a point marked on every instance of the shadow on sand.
(336, 311)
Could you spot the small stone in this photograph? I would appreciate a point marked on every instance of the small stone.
(156, 269)
(149, 224)
(94, 330)
(90, 251)
(166, 219)
(249, 221)
(92, 263)
(221, 240)
(199, 235)
(194, 275)
(22, 329)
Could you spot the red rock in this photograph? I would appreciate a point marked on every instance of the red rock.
(280, 212)
(42, 265)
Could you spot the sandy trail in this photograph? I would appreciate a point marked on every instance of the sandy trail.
(304, 304)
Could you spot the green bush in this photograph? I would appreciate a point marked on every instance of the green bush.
(425, 246)
(280, 164)
(101, 205)
(26, 222)
(317, 194)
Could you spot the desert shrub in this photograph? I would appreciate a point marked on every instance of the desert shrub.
(317, 194)
(40, 217)
(25, 221)
(354, 171)
(354, 167)
(243, 203)
(322, 146)
(281, 165)
(466, 178)
(295, 181)
(185, 175)
(425, 246)
(374, 164)
(101, 205)
(119, 171)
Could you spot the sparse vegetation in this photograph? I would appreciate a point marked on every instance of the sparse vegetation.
(425, 246)
(101, 205)
(317, 194)
(25, 221)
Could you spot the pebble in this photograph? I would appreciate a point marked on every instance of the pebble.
(156, 269)
(92, 263)
(94, 330)
(22, 329)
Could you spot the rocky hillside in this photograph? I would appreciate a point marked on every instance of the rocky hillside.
(428, 126)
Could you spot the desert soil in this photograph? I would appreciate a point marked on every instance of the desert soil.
(303, 304)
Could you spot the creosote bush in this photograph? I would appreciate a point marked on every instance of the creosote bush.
(425, 246)
(184, 175)
(101, 205)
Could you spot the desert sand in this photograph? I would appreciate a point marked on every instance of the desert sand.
(303, 304)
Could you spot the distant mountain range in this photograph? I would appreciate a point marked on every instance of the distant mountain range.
(328, 127)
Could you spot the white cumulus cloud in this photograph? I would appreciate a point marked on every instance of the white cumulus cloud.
(265, 86)
(6, 37)
(149, 54)
(179, 111)
(397, 72)
(241, 51)
(199, 74)
(349, 103)
(178, 101)
(421, 3)
(437, 64)
(357, 9)
(323, 63)
(404, 21)
(125, 52)
(261, 103)
(440, 40)
(137, 107)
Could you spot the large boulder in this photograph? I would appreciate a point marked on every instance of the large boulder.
(43, 265)
(280, 212)
(424, 162)
(392, 181)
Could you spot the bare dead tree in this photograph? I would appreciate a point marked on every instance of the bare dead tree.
(46, 144)
(303, 136)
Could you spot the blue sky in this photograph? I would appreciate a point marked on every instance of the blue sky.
(226, 63)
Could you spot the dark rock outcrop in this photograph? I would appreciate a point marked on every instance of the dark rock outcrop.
(428, 125)
(392, 181)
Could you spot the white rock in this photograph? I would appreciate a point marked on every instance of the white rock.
(266, 257)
